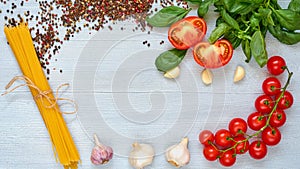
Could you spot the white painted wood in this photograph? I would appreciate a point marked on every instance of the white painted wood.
(105, 65)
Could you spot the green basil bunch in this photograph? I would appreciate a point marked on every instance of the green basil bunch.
(247, 22)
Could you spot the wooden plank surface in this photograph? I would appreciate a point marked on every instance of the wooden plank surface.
(123, 98)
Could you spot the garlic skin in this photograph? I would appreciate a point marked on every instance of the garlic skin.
(101, 154)
(178, 155)
(173, 73)
(239, 74)
(141, 155)
(207, 77)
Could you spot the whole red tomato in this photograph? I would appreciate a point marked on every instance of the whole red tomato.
(187, 32)
(264, 104)
(286, 101)
(223, 138)
(242, 145)
(271, 136)
(210, 153)
(228, 158)
(276, 65)
(271, 86)
(258, 149)
(256, 121)
(278, 118)
(237, 126)
(206, 137)
(213, 56)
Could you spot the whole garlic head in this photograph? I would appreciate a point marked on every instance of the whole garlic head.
(101, 154)
(178, 155)
(141, 155)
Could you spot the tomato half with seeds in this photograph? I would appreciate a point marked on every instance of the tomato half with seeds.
(213, 56)
(187, 32)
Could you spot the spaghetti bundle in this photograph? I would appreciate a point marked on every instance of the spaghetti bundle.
(20, 41)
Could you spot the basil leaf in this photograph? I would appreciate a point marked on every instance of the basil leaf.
(218, 32)
(246, 49)
(284, 36)
(288, 19)
(169, 59)
(258, 48)
(294, 5)
(266, 15)
(229, 20)
(203, 8)
(167, 16)
(255, 21)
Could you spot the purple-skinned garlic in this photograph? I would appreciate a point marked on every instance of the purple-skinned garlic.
(101, 154)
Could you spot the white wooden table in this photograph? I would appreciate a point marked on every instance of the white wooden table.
(123, 98)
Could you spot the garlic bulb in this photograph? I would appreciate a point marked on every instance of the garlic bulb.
(141, 155)
(179, 154)
(101, 154)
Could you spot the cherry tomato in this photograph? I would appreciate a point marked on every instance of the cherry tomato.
(258, 149)
(256, 121)
(271, 136)
(206, 137)
(286, 101)
(271, 86)
(276, 65)
(237, 126)
(278, 118)
(223, 138)
(242, 145)
(213, 56)
(187, 32)
(228, 158)
(264, 104)
(210, 153)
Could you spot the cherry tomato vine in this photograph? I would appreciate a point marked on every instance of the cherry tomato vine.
(225, 144)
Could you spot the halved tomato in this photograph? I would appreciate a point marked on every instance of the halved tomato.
(213, 56)
(187, 32)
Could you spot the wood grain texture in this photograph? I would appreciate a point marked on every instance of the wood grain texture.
(109, 68)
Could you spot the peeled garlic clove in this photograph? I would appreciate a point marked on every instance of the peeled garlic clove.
(207, 76)
(239, 74)
(173, 73)
(141, 155)
(178, 155)
(101, 154)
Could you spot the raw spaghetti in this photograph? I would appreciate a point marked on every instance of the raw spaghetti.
(20, 41)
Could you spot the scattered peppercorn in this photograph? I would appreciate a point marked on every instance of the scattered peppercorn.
(54, 16)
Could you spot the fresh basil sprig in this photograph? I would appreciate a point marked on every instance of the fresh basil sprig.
(167, 16)
(169, 59)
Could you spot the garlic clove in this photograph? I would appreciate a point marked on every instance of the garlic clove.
(173, 73)
(141, 155)
(207, 76)
(101, 154)
(239, 74)
(178, 155)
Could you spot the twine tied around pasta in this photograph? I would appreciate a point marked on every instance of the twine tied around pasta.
(45, 94)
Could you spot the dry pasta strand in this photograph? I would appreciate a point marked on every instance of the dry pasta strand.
(21, 44)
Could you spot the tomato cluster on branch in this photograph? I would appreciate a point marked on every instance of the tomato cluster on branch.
(265, 122)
